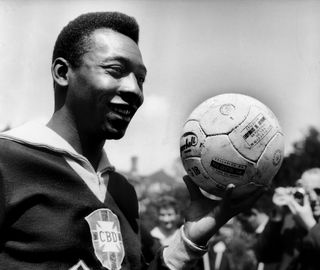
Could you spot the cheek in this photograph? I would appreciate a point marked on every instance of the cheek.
(99, 86)
(313, 196)
(161, 220)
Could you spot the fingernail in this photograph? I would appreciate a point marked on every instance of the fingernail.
(230, 186)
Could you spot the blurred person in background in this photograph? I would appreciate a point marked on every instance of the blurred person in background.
(253, 222)
(292, 234)
(230, 249)
(169, 220)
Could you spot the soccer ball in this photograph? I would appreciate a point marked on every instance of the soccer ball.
(231, 138)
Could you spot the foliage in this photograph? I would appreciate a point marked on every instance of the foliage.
(306, 155)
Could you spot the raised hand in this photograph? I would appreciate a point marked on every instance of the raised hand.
(302, 214)
(205, 217)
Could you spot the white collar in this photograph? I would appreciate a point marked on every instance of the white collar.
(261, 227)
(43, 137)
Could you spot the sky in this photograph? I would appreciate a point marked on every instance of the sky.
(193, 50)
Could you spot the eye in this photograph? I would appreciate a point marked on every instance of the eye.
(141, 79)
(116, 71)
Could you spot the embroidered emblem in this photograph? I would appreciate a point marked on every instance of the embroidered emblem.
(80, 266)
(106, 238)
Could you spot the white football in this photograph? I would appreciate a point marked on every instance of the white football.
(231, 138)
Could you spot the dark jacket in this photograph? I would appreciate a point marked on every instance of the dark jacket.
(292, 247)
(50, 219)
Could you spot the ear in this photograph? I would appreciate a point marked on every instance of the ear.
(59, 69)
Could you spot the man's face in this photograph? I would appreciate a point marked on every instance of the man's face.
(311, 184)
(168, 218)
(314, 197)
(249, 220)
(106, 90)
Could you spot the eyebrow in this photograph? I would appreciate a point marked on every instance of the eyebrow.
(124, 60)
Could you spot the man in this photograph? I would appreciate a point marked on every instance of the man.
(292, 235)
(253, 223)
(168, 220)
(64, 205)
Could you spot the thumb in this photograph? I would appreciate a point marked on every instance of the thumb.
(193, 189)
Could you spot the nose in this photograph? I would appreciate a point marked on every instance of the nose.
(313, 197)
(167, 218)
(131, 91)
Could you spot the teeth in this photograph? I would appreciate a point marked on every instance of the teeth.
(122, 111)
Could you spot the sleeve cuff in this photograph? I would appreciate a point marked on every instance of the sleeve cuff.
(181, 252)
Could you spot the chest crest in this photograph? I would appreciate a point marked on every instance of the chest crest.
(106, 238)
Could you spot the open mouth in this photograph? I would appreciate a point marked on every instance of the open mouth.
(123, 111)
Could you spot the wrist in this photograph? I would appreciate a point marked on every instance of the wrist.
(310, 224)
(190, 243)
(200, 232)
(181, 253)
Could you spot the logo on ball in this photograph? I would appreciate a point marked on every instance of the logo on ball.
(276, 157)
(190, 139)
(227, 109)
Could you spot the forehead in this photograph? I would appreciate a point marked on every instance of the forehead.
(106, 43)
(310, 181)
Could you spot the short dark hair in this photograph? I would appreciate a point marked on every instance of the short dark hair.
(72, 42)
(264, 204)
(167, 201)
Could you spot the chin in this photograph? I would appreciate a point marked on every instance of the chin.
(114, 132)
(114, 135)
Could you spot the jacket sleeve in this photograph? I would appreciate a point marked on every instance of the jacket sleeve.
(310, 249)
(157, 263)
(2, 202)
(312, 240)
(181, 253)
(268, 247)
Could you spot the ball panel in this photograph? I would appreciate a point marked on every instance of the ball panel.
(227, 113)
(223, 163)
(270, 161)
(203, 108)
(192, 139)
(199, 175)
(251, 137)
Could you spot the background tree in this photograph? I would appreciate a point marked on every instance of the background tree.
(306, 155)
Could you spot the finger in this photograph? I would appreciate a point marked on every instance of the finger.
(293, 206)
(193, 189)
(228, 192)
(246, 191)
(258, 194)
(230, 187)
(246, 203)
(306, 201)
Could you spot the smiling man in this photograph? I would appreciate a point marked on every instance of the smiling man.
(63, 206)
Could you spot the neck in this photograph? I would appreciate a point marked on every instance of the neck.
(167, 232)
(64, 124)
